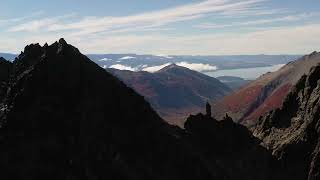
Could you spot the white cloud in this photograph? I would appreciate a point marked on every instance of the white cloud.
(18, 19)
(142, 21)
(153, 69)
(127, 58)
(290, 18)
(164, 56)
(279, 40)
(122, 67)
(193, 66)
(110, 34)
(301, 39)
(39, 24)
(105, 59)
(198, 66)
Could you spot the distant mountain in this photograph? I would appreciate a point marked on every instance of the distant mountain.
(233, 82)
(199, 63)
(266, 93)
(8, 56)
(139, 62)
(174, 91)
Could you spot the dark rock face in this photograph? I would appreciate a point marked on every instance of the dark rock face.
(5, 70)
(64, 117)
(230, 148)
(293, 132)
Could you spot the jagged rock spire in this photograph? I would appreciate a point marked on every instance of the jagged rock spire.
(208, 109)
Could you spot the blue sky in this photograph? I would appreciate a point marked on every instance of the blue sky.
(173, 27)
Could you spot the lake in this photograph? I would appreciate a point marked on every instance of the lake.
(245, 73)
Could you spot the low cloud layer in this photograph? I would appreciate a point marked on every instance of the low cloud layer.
(122, 67)
(198, 66)
(193, 66)
(127, 57)
(105, 59)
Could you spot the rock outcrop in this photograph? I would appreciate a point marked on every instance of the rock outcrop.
(230, 148)
(5, 71)
(292, 133)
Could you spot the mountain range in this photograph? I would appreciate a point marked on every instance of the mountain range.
(174, 92)
(135, 62)
(62, 117)
(204, 64)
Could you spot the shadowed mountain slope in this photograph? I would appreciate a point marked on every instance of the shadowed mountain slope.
(5, 70)
(64, 117)
(234, 83)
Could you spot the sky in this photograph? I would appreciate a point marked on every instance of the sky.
(170, 27)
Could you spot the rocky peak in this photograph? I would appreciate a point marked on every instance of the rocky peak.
(173, 65)
(62, 42)
(33, 49)
(62, 45)
(34, 53)
(169, 67)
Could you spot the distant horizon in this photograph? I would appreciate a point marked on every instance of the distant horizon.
(181, 54)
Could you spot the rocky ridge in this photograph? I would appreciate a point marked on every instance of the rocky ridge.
(266, 93)
(292, 133)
